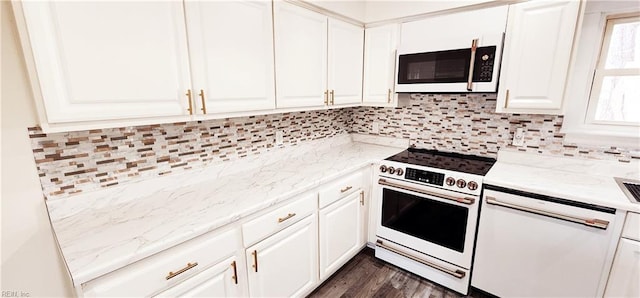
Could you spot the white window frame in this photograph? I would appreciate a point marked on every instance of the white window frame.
(601, 72)
(578, 125)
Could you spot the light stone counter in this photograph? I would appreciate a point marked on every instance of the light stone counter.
(589, 181)
(105, 230)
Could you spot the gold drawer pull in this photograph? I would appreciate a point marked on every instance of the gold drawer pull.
(174, 274)
(281, 219)
(235, 272)
(255, 260)
(346, 189)
(326, 97)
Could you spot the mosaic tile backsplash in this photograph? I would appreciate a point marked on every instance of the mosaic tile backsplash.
(468, 123)
(74, 162)
(81, 161)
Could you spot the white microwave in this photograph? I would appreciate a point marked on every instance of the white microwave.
(458, 65)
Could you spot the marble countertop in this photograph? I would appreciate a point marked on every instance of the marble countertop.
(105, 230)
(589, 181)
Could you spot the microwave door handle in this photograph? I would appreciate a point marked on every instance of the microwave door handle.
(474, 46)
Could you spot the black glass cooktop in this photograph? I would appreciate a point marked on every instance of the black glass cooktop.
(464, 163)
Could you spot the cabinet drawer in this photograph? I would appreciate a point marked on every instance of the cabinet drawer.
(166, 268)
(340, 188)
(631, 228)
(278, 219)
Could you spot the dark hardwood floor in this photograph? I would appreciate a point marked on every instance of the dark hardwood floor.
(366, 276)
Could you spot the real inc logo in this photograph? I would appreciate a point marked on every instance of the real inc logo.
(15, 294)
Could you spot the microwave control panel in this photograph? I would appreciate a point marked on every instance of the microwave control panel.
(483, 68)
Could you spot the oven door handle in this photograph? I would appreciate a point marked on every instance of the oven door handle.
(472, 62)
(592, 222)
(456, 273)
(468, 201)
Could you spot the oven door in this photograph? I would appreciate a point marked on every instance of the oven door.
(433, 224)
(466, 66)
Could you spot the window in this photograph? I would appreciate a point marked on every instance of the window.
(602, 106)
(615, 93)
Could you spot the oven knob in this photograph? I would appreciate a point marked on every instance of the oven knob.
(383, 168)
(399, 171)
(451, 181)
(472, 185)
(391, 170)
(461, 183)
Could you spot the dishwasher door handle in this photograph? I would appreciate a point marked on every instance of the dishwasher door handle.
(592, 222)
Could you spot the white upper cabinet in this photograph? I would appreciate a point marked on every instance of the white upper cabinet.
(346, 42)
(379, 65)
(537, 54)
(301, 56)
(318, 59)
(106, 60)
(231, 52)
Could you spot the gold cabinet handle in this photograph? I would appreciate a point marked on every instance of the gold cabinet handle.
(506, 100)
(235, 272)
(332, 93)
(255, 260)
(204, 105)
(188, 94)
(346, 189)
(174, 274)
(472, 62)
(389, 96)
(290, 215)
(326, 97)
(362, 197)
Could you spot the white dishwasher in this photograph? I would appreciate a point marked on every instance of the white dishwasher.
(530, 245)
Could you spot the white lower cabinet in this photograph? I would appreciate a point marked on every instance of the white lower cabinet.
(342, 233)
(171, 268)
(624, 280)
(220, 280)
(284, 252)
(285, 264)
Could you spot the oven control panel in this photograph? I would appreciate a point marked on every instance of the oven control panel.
(425, 176)
(444, 179)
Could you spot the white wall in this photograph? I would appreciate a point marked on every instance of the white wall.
(368, 11)
(347, 8)
(378, 10)
(30, 259)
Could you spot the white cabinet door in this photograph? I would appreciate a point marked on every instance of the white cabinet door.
(379, 64)
(301, 56)
(341, 228)
(106, 60)
(624, 280)
(217, 281)
(346, 42)
(231, 51)
(536, 58)
(285, 264)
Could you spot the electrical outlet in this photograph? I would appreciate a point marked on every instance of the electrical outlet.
(375, 127)
(518, 137)
(279, 138)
